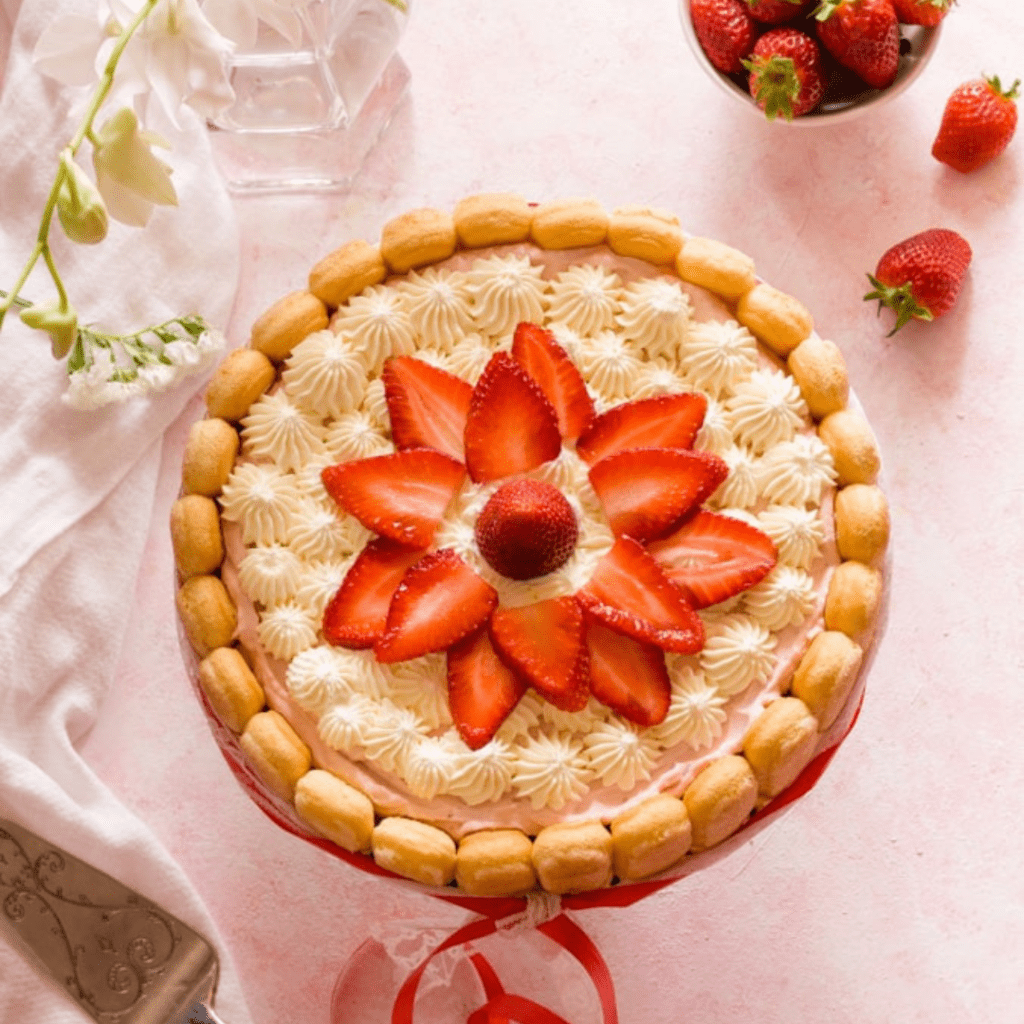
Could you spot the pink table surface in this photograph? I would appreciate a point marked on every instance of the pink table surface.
(893, 892)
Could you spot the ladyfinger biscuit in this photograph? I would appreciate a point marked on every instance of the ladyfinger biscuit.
(209, 456)
(414, 850)
(231, 687)
(275, 751)
(346, 272)
(573, 857)
(335, 809)
(645, 234)
(826, 674)
(280, 328)
(720, 799)
(854, 594)
(569, 224)
(780, 744)
(493, 218)
(854, 450)
(717, 267)
(207, 613)
(195, 535)
(779, 320)
(239, 380)
(819, 369)
(416, 238)
(496, 862)
(650, 837)
(862, 522)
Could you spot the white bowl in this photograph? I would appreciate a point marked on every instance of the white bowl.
(918, 43)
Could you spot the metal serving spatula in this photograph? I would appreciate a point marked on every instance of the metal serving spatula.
(123, 959)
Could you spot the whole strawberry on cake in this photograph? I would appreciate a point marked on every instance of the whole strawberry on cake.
(533, 546)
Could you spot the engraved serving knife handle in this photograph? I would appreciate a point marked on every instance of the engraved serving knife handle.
(122, 958)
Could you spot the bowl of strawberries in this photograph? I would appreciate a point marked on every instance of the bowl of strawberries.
(813, 62)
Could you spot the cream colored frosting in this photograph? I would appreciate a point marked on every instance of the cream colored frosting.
(375, 406)
(325, 374)
(319, 582)
(716, 356)
(797, 472)
(390, 735)
(655, 314)
(420, 684)
(783, 598)
(378, 326)
(437, 302)
(505, 290)
(286, 629)
(619, 754)
(262, 500)
(276, 430)
(767, 408)
(609, 364)
(430, 763)
(737, 653)
(322, 676)
(695, 712)
(585, 299)
(344, 724)
(320, 535)
(484, 775)
(656, 378)
(742, 487)
(798, 533)
(270, 575)
(715, 434)
(353, 436)
(470, 357)
(551, 771)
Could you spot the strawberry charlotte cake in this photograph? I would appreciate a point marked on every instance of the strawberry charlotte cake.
(535, 546)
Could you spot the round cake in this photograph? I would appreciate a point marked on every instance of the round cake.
(535, 546)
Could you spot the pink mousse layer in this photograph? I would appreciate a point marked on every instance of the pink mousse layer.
(673, 771)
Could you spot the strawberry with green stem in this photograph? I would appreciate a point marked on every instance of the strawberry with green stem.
(978, 123)
(922, 12)
(864, 36)
(920, 277)
(786, 75)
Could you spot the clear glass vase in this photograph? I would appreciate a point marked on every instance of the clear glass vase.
(312, 96)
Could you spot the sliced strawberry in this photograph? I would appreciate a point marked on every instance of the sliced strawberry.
(544, 643)
(713, 557)
(482, 691)
(536, 350)
(645, 492)
(668, 421)
(630, 593)
(427, 405)
(511, 427)
(356, 615)
(438, 602)
(401, 496)
(628, 676)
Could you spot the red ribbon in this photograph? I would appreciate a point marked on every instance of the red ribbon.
(502, 1007)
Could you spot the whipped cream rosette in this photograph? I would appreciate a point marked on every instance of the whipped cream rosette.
(377, 677)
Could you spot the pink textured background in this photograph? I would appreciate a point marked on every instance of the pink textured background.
(893, 892)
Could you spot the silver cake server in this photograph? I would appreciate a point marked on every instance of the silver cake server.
(122, 958)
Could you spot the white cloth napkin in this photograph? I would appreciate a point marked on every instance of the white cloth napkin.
(77, 495)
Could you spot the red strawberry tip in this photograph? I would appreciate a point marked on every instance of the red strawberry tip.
(900, 300)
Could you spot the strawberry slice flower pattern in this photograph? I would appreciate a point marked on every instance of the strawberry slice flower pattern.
(408, 595)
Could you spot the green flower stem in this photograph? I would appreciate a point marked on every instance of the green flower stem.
(42, 247)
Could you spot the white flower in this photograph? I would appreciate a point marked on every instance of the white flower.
(177, 54)
(67, 48)
(130, 178)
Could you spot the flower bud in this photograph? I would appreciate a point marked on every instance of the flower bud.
(60, 322)
(79, 205)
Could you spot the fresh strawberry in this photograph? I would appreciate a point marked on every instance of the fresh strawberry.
(439, 601)
(536, 350)
(786, 73)
(401, 496)
(631, 594)
(977, 124)
(714, 557)
(645, 491)
(526, 529)
(356, 615)
(920, 277)
(725, 31)
(511, 427)
(544, 644)
(776, 12)
(482, 691)
(921, 12)
(668, 421)
(864, 36)
(628, 676)
(427, 405)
